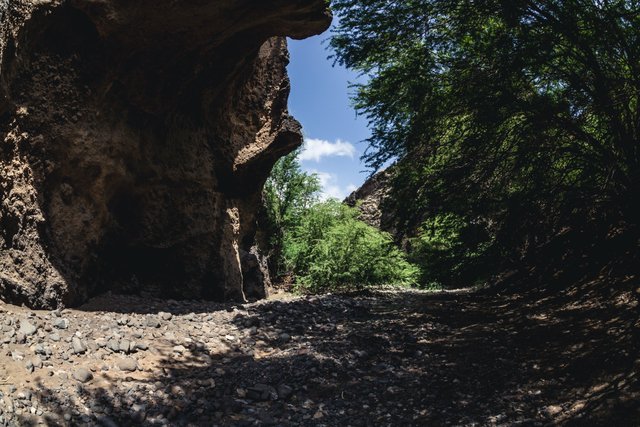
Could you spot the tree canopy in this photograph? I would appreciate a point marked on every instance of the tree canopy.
(508, 113)
(288, 193)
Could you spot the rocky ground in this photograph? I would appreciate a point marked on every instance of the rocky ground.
(385, 358)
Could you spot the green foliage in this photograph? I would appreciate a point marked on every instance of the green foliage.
(511, 114)
(288, 193)
(450, 251)
(331, 249)
(324, 244)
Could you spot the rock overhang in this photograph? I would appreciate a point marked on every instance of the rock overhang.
(137, 138)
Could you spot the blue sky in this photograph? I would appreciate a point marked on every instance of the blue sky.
(333, 133)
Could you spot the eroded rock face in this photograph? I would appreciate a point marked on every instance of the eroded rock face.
(370, 198)
(136, 138)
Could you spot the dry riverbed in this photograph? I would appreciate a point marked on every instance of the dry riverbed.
(385, 358)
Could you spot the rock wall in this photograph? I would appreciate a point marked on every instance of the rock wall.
(380, 207)
(136, 137)
(369, 199)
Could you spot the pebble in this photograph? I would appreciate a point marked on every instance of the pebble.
(124, 346)
(284, 337)
(284, 391)
(127, 364)
(78, 345)
(27, 328)
(17, 355)
(152, 322)
(61, 323)
(83, 375)
(37, 362)
(262, 392)
(114, 345)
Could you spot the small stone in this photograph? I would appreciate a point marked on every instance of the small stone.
(17, 355)
(61, 323)
(284, 337)
(554, 409)
(78, 345)
(113, 345)
(165, 316)
(37, 362)
(179, 349)
(54, 337)
(27, 328)
(127, 364)
(284, 391)
(152, 322)
(262, 392)
(124, 346)
(83, 375)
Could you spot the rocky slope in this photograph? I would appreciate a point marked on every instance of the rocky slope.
(135, 140)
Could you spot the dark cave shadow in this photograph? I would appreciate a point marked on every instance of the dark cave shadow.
(385, 360)
(149, 303)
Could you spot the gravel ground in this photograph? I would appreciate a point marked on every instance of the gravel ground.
(385, 358)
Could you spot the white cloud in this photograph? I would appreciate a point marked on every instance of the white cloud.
(331, 188)
(316, 149)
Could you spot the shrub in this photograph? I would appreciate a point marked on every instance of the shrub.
(331, 249)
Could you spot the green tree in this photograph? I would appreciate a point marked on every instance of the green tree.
(513, 114)
(288, 193)
(331, 249)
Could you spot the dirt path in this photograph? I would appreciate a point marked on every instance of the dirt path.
(384, 358)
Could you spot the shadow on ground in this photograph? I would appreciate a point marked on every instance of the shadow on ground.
(397, 358)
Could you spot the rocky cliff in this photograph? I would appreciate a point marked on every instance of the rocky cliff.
(136, 137)
(370, 198)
